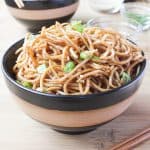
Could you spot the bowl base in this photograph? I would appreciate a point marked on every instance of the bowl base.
(77, 130)
(74, 132)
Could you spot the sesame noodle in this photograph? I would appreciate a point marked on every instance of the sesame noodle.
(107, 56)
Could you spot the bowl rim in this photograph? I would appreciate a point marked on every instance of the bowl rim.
(106, 20)
(13, 81)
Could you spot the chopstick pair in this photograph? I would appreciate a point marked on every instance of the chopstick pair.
(19, 3)
(133, 141)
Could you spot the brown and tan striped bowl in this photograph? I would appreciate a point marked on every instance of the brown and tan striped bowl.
(36, 14)
(69, 113)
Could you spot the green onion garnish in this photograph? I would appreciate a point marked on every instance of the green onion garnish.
(125, 77)
(85, 55)
(78, 26)
(19, 82)
(42, 68)
(69, 67)
(95, 58)
(27, 84)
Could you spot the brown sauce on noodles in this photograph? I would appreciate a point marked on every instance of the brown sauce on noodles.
(61, 60)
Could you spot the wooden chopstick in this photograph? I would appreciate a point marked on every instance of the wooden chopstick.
(19, 3)
(133, 141)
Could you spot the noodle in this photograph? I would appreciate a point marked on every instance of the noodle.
(61, 60)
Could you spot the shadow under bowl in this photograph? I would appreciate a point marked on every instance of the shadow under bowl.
(70, 114)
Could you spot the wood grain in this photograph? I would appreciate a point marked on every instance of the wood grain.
(19, 132)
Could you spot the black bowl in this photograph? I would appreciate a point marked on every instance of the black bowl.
(36, 14)
(69, 114)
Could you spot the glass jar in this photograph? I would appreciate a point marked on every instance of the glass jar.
(106, 6)
(136, 15)
(122, 27)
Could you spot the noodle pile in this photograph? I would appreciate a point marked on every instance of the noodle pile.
(63, 60)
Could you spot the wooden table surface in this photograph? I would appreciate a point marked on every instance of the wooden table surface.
(19, 132)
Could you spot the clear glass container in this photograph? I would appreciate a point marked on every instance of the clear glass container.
(136, 15)
(122, 27)
(106, 6)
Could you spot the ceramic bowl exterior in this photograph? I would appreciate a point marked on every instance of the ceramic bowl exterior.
(36, 14)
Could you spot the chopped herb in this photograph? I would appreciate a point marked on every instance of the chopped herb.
(19, 82)
(27, 84)
(95, 58)
(85, 55)
(69, 67)
(78, 26)
(125, 77)
(42, 68)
